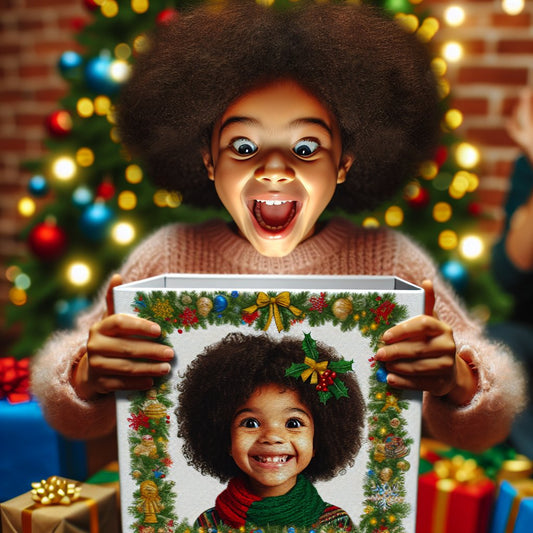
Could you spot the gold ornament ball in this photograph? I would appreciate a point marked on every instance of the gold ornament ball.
(186, 300)
(403, 465)
(342, 308)
(385, 474)
(204, 306)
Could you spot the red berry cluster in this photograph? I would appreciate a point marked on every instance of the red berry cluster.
(326, 378)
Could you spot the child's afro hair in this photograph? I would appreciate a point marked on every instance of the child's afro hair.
(374, 76)
(226, 374)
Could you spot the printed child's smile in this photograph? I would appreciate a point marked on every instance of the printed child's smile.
(272, 459)
(274, 215)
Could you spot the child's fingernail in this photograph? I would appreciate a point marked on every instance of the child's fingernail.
(386, 336)
(168, 353)
(165, 368)
(380, 354)
(155, 329)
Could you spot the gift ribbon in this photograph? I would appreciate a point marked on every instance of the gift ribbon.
(524, 489)
(91, 504)
(315, 369)
(14, 379)
(452, 472)
(282, 299)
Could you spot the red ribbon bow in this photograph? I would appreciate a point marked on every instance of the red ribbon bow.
(15, 379)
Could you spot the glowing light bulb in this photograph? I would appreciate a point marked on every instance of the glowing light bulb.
(12, 272)
(119, 70)
(471, 247)
(17, 296)
(79, 273)
(453, 118)
(454, 16)
(122, 51)
(467, 155)
(127, 200)
(448, 239)
(109, 8)
(26, 206)
(442, 211)
(85, 157)
(394, 216)
(64, 168)
(439, 66)
(22, 281)
(428, 29)
(85, 107)
(134, 174)
(123, 233)
(429, 169)
(452, 51)
(513, 7)
(370, 222)
(139, 6)
(102, 105)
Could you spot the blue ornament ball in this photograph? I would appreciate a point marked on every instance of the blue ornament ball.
(220, 303)
(95, 221)
(67, 310)
(98, 75)
(381, 375)
(456, 274)
(82, 196)
(38, 186)
(70, 64)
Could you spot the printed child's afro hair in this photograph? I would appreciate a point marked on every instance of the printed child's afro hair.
(226, 374)
(374, 76)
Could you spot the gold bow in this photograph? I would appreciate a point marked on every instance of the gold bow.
(55, 490)
(283, 299)
(458, 470)
(315, 369)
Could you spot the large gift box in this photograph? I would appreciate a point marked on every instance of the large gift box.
(94, 511)
(513, 511)
(30, 449)
(455, 497)
(344, 315)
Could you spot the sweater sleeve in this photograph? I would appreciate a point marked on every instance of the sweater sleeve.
(52, 367)
(501, 393)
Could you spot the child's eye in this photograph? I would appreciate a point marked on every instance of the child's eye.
(250, 423)
(293, 423)
(244, 146)
(305, 148)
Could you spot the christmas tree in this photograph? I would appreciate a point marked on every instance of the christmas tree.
(101, 203)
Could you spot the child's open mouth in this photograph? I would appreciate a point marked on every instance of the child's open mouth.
(274, 459)
(274, 215)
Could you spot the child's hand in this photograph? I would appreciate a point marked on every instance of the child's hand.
(420, 354)
(116, 358)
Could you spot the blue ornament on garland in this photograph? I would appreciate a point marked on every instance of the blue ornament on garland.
(38, 186)
(220, 303)
(456, 273)
(95, 220)
(82, 196)
(98, 75)
(70, 64)
(381, 375)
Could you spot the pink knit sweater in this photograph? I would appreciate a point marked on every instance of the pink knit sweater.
(337, 249)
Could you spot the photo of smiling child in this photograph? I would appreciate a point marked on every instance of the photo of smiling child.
(269, 434)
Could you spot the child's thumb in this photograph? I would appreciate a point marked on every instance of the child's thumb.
(115, 281)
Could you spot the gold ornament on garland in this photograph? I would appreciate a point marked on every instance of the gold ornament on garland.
(162, 309)
(150, 502)
(204, 306)
(55, 491)
(154, 409)
(342, 308)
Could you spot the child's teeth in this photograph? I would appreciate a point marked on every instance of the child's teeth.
(277, 459)
(272, 202)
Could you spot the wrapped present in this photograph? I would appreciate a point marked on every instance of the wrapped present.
(62, 506)
(108, 477)
(26, 431)
(455, 497)
(513, 511)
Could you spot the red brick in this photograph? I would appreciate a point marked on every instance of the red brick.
(491, 197)
(489, 136)
(471, 106)
(35, 71)
(502, 168)
(515, 46)
(493, 75)
(49, 94)
(14, 145)
(501, 20)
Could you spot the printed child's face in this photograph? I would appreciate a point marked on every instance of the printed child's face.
(276, 159)
(272, 439)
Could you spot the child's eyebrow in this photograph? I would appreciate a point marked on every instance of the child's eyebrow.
(238, 119)
(295, 123)
(311, 120)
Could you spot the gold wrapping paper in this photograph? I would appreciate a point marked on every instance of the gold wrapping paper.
(94, 512)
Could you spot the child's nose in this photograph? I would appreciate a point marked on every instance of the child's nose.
(272, 435)
(275, 169)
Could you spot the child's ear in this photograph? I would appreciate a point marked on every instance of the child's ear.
(208, 164)
(344, 167)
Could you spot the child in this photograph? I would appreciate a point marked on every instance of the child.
(244, 420)
(288, 112)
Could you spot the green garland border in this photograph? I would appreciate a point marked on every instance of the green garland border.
(372, 313)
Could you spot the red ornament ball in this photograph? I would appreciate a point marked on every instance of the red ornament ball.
(59, 123)
(441, 155)
(47, 241)
(165, 16)
(91, 5)
(474, 209)
(105, 191)
(420, 199)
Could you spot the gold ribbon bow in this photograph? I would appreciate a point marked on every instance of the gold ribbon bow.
(283, 299)
(458, 470)
(315, 369)
(55, 490)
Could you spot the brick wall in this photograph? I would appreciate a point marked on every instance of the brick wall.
(33, 33)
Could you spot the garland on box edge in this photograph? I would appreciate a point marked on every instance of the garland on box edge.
(388, 441)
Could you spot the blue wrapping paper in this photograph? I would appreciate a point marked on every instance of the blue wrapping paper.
(513, 510)
(30, 450)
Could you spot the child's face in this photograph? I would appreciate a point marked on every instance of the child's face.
(272, 439)
(276, 159)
